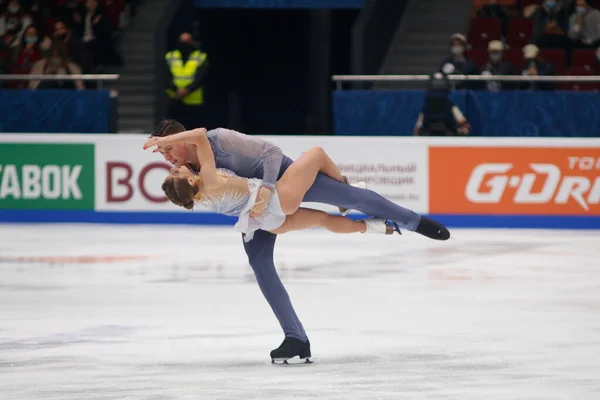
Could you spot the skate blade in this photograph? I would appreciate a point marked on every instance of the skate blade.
(396, 227)
(291, 361)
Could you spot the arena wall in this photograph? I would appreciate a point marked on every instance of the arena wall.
(464, 182)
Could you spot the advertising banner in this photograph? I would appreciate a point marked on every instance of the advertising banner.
(129, 178)
(465, 182)
(47, 176)
(515, 180)
(396, 170)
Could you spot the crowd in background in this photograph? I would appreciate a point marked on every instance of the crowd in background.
(514, 37)
(60, 37)
(528, 37)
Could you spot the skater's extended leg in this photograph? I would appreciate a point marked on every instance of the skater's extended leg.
(300, 176)
(306, 218)
(260, 254)
(329, 191)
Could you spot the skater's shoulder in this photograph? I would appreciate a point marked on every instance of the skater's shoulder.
(221, 131)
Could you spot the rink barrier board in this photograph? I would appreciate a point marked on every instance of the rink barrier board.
(202, 218)
(463, 182)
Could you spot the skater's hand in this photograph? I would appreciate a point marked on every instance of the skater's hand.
(159, 142)
(261, 204)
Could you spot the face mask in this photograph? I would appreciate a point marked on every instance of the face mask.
(457, 50)
(31, 40)
(580, 10)
(13, 9)
(495, 57)
(550, 4)
(56, 62)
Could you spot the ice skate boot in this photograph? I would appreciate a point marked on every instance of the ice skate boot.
(289, 349)
(380, 225)
(432, 229)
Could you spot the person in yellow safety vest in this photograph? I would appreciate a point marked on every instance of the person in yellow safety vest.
(186, 67)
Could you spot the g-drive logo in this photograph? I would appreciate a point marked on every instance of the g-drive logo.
(489, 182)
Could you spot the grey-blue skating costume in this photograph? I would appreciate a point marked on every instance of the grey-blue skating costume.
(251, 157)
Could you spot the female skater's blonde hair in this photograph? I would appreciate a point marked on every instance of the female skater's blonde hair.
(179, 190)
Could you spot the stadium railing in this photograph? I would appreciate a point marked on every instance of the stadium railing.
(341, 79)
(99, 78)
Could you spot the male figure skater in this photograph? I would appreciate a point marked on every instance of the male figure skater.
(251, 157)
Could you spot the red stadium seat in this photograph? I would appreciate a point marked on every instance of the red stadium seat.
(585, 58)
(578, 86)
(515, 57)
(519, 32)
(556, 57)
(479, 56)
(482, 31)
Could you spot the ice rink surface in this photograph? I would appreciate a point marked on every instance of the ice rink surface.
(161, 312)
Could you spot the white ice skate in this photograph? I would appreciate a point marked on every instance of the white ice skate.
(379, 226)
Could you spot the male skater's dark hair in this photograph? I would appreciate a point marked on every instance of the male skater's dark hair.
(168, 127)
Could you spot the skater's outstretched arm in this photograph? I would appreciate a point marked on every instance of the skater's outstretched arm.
(198, 138)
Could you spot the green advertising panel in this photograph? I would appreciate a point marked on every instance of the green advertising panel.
(46, 176)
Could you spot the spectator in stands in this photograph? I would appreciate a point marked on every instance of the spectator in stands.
(458, 63)
(186, 67)
(550, 23)
(25, 56)
(535, 66)
(73, 44)
(584, 26)
(57, 62)
(94, 28)
(15, 19)
(440, 116)
(494, 10)
(496, 65)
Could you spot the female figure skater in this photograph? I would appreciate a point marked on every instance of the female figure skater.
(222, 191)
(253, 157)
